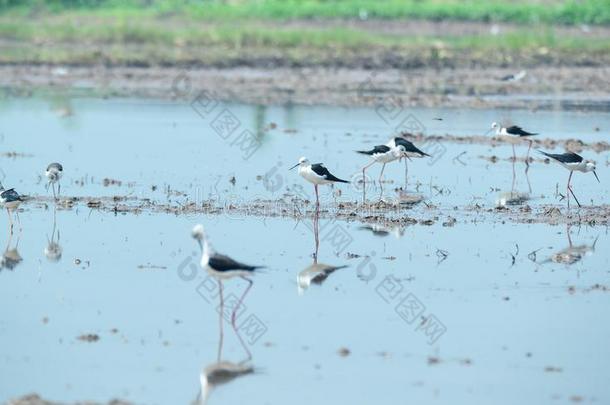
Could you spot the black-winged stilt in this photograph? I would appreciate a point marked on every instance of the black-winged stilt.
(54, 173)
(513, 134)
(316, 174)
(382, 154)
(514, 77)
(411, 151)
(11, 200)
(222, 267)
(573, 162)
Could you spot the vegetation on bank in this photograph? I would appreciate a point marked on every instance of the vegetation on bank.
(245, 32)
(516, 11)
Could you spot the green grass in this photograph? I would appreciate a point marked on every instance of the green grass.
(174, 32)
(518, 11)
(178, 32)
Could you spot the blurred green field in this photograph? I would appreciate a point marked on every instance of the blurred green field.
(519, 11)
(379, 33)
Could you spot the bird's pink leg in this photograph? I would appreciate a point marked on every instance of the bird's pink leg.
(364, 181)
(220, 319)
(527, 157)
(10, 221)
(572, 191)
(568, 189)
(380, 183)
(381, 174)
(316, 233)
(233, 316)
(514, 154)
(315, 186)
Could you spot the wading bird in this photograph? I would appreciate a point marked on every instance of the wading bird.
(513, 134)
(222, 267)
(11, 200)
(53, 173)
(316, 174)
(382, 154)
(411, 151)
(572, 162)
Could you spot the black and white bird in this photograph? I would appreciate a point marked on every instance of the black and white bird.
(316, 174)
(411, 151)
(514, 77)
(222, 267)
(573, 162)
(54, 173)
(513, 134)
(218, 265)
(11, 200)
(383, 154)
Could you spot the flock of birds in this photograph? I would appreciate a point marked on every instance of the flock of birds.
(223, 267)
(399, 148)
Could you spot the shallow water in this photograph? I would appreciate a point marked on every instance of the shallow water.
(511, 324)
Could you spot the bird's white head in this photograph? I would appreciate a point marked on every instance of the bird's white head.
(400, 150)
(198, 232)
(494, 125)
(590, 167)
(303, 161)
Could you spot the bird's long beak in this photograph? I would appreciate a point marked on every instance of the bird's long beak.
(294, 166)
(596, 176)
(488, 131)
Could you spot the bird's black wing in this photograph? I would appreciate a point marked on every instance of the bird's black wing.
(10, 195)
(409, 147)
(320, 170)
(221, 263)
(568, 157)
(515, 130)
(377, 149)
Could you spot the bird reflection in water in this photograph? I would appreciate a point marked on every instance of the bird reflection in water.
(383, 231)
(221, 373)
(11, 257)
(513, 197)
(316, 272)
(573, 253)
(53, 250)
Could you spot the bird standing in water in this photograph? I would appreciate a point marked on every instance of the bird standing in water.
(54, 173)
(316, 174)
(513, 134)
(222, 267)
(11, 200)
(573, 162)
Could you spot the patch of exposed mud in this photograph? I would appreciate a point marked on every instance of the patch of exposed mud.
(390, 214)
(543, 87)
(34, 399)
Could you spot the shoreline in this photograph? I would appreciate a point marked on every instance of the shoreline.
(542, 88)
